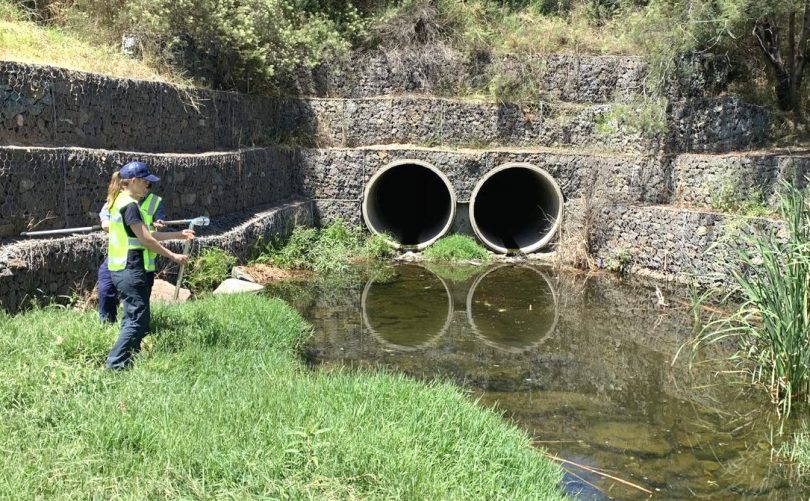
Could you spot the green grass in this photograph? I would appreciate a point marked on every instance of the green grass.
(772, 325)
(220, 406)
(209, 269)
(25, 41)
(455, 248)
(330, 250)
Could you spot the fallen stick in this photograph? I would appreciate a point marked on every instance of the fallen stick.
(594, 470)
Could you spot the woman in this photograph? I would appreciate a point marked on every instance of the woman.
(107, 294)
(131, 253)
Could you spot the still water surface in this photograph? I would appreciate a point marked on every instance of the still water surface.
(583, 364)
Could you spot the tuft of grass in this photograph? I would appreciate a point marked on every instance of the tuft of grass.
(772, 325)
(219, 406)
(644, 116)
(26, 41)
(733, 198)
(331, 250)
(209, 269)
(456, 248)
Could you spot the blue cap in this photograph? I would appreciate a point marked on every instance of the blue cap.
(139, 170)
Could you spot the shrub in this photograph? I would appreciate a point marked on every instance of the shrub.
(252, 45)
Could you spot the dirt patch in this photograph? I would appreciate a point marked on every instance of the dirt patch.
(268, 273)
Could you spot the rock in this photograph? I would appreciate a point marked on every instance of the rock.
(164, 291)
(241, 273)
(236, 286)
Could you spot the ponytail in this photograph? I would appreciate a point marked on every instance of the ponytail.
(113, 189)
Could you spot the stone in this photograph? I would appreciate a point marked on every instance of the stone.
(239, 272)
(164, 291)
(236, 286)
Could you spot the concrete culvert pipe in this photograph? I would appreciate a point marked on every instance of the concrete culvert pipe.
(516, 207)
(410, 200)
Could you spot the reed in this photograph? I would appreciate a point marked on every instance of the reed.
(772, 323)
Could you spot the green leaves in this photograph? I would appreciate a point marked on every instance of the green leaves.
(255, 43)
(772, 325)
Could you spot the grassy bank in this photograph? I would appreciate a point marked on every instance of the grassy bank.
(25, 41)
(220, 406)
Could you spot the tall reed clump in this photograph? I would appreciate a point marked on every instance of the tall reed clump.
(772, 325)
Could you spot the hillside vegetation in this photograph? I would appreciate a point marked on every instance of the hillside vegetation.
(256, 45)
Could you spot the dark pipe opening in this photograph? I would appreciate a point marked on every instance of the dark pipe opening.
(411, 202)
(516, 208)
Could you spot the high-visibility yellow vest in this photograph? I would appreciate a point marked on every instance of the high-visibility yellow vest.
(119, 243)
(149, 207)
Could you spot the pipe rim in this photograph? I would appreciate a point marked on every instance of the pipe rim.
(432, 168)
(528, 248)
(493, 344)
(432, 340)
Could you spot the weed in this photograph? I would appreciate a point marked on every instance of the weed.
(456, 248)
(331, 250)
(209, 269)
(733, 198)
(620, 261)
(644, 116)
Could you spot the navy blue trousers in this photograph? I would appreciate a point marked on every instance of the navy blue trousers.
(107, 295)
(134, 287)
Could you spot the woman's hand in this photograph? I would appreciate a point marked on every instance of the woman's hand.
(159, 224)
(187, 235)
(179, 258)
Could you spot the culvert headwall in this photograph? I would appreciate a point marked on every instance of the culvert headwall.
(411, 201)
(516, 207)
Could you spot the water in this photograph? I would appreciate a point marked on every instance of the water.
(584, 365)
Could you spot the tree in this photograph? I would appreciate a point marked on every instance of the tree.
(788, 68)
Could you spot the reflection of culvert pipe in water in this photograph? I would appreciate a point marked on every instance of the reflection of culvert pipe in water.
(516, 207)
(410, 200)
(509, 318)
(409, 313)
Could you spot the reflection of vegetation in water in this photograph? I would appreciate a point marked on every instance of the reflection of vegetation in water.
(454, 272)
(408, 312)
(332, 288)
(600, 390)
(772, 325)
(797, 454)
(456, 248)
(514, 308)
